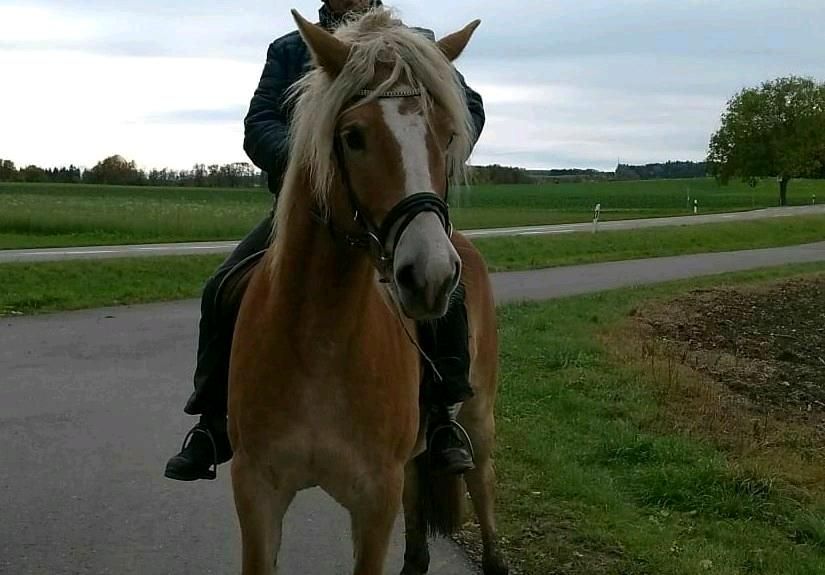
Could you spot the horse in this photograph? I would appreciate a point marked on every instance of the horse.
(325, 369)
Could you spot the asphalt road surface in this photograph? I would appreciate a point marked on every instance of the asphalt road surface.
(148, 250)
(90, 409)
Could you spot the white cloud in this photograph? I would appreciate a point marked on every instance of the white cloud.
(35, 24)
(79, 107)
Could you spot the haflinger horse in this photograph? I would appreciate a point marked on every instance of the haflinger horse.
(325, 370)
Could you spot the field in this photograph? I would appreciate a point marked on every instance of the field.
(631, 443)
(35, 215)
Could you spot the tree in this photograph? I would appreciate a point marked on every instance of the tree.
(115, 170)
(32, 173)
(199, 175)
(775, 130)
(8, 172)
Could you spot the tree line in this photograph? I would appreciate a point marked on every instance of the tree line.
(496, 174)
(115, 170)
(665, 171)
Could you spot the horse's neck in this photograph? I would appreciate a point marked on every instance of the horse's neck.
(319, 283)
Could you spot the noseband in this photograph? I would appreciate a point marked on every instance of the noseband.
(376, 238)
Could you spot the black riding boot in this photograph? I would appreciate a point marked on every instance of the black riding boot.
(450, 449)
(207, 444)
(204, 448)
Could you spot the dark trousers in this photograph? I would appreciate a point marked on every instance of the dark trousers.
(214, 337)
(445, 340)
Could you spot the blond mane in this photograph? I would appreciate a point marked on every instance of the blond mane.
(376, 38)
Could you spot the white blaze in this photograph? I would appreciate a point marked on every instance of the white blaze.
(410, 131)
(424, 246)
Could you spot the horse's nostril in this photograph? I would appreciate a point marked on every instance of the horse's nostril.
(457, 273)
(405, 277)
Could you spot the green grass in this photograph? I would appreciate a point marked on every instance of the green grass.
(532, 252)
(52, 286)
(54, 215)
(57, 286)
(66, 215)
(590, 482)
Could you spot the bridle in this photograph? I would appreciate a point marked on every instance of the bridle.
(373, 238)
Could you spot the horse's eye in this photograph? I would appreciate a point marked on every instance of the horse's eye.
(452, 138)
(354, 137)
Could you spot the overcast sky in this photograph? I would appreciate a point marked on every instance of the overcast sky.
(566, 83)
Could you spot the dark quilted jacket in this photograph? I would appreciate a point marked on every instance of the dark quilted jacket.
(266, 123)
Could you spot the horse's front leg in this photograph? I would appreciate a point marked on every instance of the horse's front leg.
(373, 514)
(416, 552)
(261, 503)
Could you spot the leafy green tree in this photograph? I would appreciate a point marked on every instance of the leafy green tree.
(775, 130)
(8, 172)
(32, 173)
(115, 170)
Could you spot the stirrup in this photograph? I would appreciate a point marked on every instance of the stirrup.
(212, 471)
(452, 424)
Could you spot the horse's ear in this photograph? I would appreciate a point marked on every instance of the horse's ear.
(328, 51)
(454, 44)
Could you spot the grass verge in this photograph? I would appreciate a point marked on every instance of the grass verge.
(534, 252)
(59, 286)
(597, 476)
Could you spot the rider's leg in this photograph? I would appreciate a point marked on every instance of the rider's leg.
(450, 448)
(207, 444)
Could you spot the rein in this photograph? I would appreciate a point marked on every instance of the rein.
(375, 238)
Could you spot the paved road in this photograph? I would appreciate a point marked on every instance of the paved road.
(575, 280)
(90, 410)
(102, 252)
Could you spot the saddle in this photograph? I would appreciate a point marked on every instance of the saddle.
(232, 288)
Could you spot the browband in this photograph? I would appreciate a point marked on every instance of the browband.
(409, 93)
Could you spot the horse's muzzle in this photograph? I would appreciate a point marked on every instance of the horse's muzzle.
(427, 268)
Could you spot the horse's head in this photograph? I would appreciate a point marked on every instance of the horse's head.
(390, 128)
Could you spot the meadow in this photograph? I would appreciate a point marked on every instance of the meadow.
(615, 458)
(54, 215)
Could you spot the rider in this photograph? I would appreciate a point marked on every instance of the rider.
(266, 143)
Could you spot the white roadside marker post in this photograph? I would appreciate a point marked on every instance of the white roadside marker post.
(597, 211)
